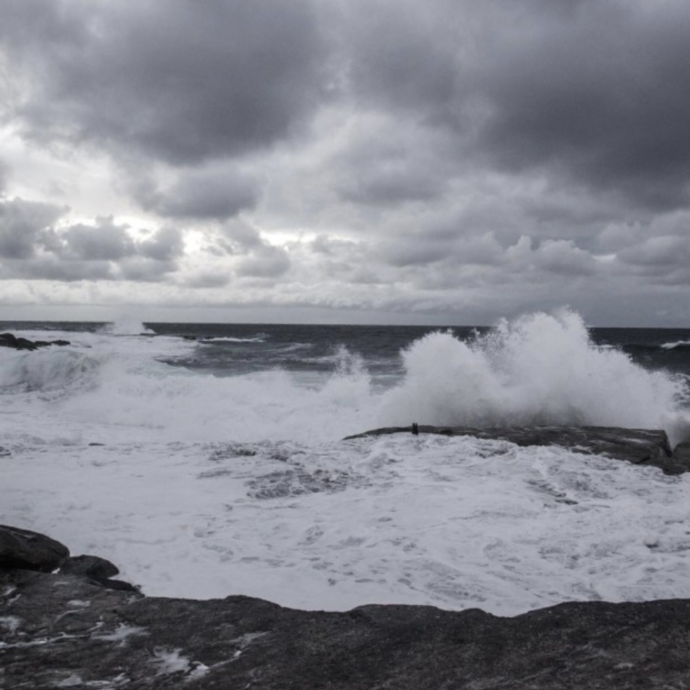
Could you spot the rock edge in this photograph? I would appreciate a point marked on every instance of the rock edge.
(639, 446)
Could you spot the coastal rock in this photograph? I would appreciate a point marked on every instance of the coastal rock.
(10, 340)
(89, 566)
(638, 446)
(22, 548)
(65, 630)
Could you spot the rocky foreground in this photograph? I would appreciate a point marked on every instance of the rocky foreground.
(66, 623)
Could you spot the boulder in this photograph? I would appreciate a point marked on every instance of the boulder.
(97, 570)
(22, 548)
(89, 566)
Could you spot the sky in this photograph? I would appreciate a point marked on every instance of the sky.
(345, 161)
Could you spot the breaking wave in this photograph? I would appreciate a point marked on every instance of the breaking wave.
(57, 370)
(537, 370)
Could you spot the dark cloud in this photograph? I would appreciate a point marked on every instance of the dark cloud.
(402, 54)
(603, 95)
(598, 92)
(179, 81)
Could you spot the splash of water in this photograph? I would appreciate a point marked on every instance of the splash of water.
(537, 370)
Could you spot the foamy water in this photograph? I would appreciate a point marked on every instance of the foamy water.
(213, 485)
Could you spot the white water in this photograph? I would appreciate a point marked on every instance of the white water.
(241, 485)
(673, 346)
(538, 370)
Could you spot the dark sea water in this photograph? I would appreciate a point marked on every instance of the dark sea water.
(230, 349)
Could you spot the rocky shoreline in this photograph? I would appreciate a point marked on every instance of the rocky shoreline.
(74, 627)
(66, 623)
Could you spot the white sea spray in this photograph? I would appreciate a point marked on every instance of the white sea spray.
(538, 370)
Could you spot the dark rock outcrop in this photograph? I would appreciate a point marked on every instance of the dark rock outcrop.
(22, 548)
(639, 446)
(65, 630)
(10, 340)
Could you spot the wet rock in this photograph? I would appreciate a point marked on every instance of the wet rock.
(10, 340)
(22, 548)
(62, 630)
(89, 566)
(638, 446)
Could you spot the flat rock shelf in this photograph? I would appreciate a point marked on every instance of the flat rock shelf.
(649, 447)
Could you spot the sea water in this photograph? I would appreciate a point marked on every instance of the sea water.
(208, 460)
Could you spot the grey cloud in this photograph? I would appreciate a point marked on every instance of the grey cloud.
(180, 81)
(243, 238)
(207, 279)
(657, 253)
(428, 247)
(165, 245)
(52, 268)
(562, 257)
(143, 269)
(21, 224)
(33, 247)
(325, 245)
(266, 261)
(207, 194)
(388, 173)
(103, 242)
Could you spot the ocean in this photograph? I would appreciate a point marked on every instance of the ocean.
(210, 459)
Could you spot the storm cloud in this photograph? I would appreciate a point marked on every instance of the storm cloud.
(178, 82)
(451, 161)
